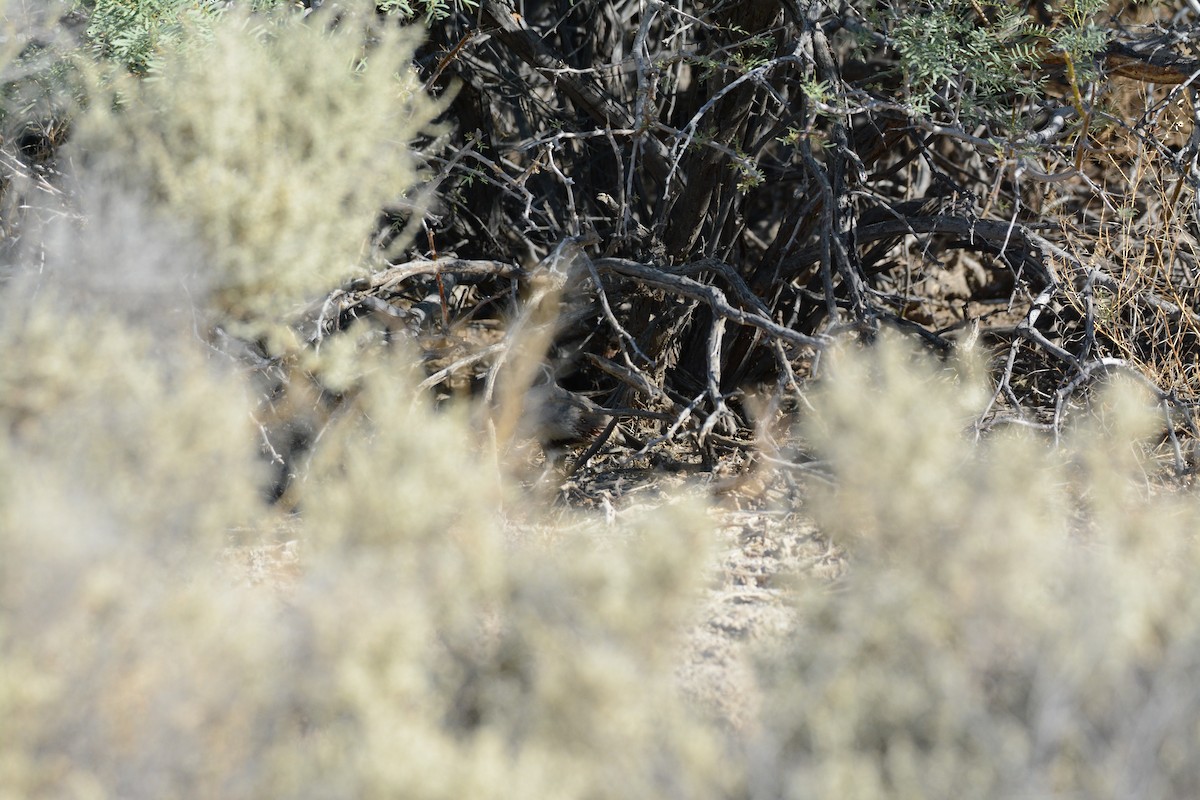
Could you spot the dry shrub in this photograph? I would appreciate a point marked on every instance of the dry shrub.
(116, 420)
(427, 650)
(277, 140)
(1016, 621)
(432, 646)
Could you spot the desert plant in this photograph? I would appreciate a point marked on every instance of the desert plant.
(1014, 617)
(277, 142)
(41, 88)
(445, 637)
(133, 33)
(971, 59)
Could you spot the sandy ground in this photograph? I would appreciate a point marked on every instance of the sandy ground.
(761, 554)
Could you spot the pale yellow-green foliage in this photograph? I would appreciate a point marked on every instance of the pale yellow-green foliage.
(277, 140)
(119, 419)
(428, 650)
(510, 661)
(1015, 622)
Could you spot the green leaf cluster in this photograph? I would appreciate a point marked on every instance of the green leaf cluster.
(970, 59)
(132, 32)
(429, 10)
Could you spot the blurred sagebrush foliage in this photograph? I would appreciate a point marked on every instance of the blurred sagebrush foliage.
(1014, 616)
(278, 142)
